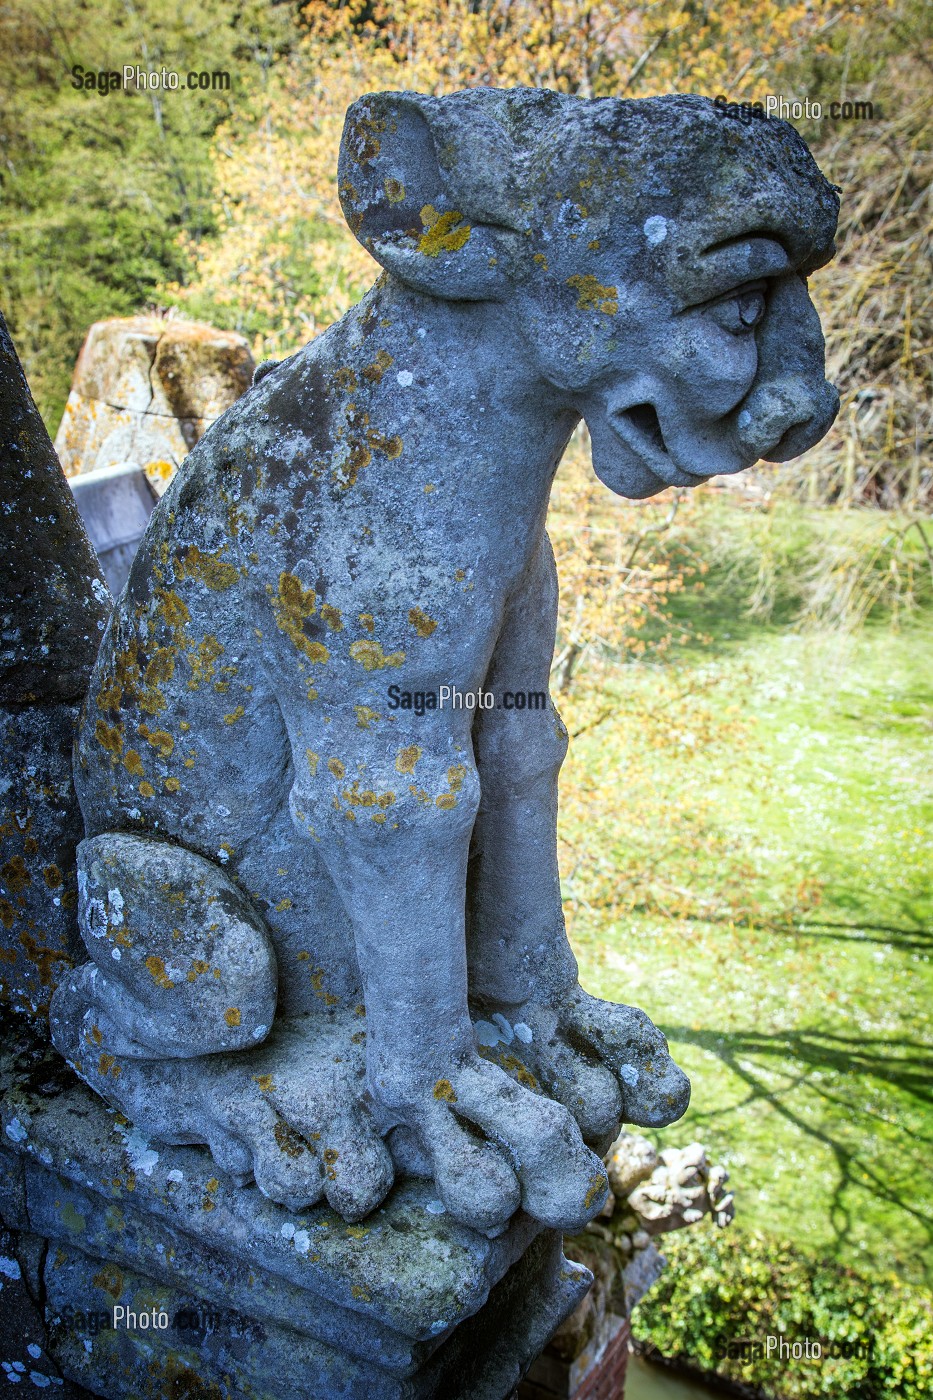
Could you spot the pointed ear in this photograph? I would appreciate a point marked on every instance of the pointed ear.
(424, 188)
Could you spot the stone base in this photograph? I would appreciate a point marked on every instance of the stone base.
(244, 1299)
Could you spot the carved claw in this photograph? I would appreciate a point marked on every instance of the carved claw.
(655, 1091)
(495, 1144)
(607, 1064)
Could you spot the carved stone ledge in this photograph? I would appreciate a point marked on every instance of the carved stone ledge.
(260, 1302)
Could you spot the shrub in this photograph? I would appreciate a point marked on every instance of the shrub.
(724, 1287)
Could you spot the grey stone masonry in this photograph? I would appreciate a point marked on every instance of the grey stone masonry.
(259, 1302)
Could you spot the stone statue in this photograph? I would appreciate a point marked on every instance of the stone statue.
(320, 898)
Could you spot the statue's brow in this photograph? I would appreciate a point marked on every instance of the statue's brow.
(733, 261)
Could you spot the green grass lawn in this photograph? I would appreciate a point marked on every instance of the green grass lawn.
(746, 848)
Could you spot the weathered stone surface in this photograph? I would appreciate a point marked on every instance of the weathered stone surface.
(53, 604)
(365, 524)
(145, 389)
(260, 1301)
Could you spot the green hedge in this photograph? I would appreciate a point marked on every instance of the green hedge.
(723, 1287)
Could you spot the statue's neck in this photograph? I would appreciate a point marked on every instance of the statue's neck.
(467, 368)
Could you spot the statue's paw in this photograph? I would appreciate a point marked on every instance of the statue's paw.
(655, 1091)
(248, 1138)
(496, 1144)
(534, 1050)
(297, 1110)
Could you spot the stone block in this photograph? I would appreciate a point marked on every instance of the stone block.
(258, 1302)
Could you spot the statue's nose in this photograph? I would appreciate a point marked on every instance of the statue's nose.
(783, 417)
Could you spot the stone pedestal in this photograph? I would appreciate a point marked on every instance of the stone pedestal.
(159, 1278)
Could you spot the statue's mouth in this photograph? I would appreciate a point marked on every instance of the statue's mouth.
(639, 427)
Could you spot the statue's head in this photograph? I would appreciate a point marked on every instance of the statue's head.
(654, 253)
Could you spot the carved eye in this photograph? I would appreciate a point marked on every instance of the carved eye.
(741, 312)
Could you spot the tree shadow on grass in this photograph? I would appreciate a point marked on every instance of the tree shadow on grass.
(917, 937)
(899, 1064)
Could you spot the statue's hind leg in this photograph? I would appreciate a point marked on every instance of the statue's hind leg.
(171, 1023)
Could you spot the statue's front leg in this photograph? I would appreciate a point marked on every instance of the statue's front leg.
(605, 1062)
(395, 840)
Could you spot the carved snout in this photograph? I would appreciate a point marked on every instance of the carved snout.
(785, 417)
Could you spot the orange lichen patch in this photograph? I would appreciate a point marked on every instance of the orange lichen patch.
(110, 737)
(362, 1294)
(444, 1091)
(446, 800)
(406, 759)
(133, 763)
(313, 760)
(394, 190)
(110, 696)
(597, 1186)
(391, 446)
(592, 295)
(197, 969)
(97, 1035)
(146, 790)
(171, 784)
(215, 573)
(371, 657)
(15, 875)
(173, 609)
(377, 369)
(346, 472)
(283, 904)
(336, 767)
(441, 232)
(368, 621)
(7, 915)
(234, 715)
(366, 138)
(367, 798)
(517, 1069)
(108, 1065)
(365, 717)
(593, 245)
(293, 605)
(345, 378)
(541, 260)
(332, 617)
(422, 624)
(232, 1015)
(156, 969)
(460, 575)
(455, 776)
(161, 667)
(159, 739)
(265, 1082)
(202, 662)
(110, 1279)
(289, 1142)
